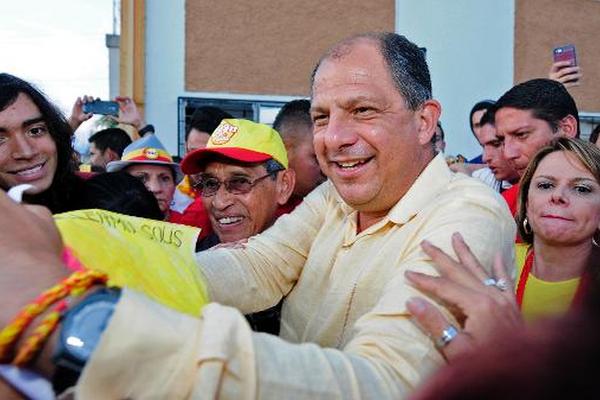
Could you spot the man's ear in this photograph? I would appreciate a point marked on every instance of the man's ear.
(110, 155)
(428, 116)
(568, 126)
(286, 181)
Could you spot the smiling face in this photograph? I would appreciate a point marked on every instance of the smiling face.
(563, 203)
(27, 151)
(158, 179)
(239, 216)
(367, 141)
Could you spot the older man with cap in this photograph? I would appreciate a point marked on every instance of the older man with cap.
(338, 259)
(243, 177)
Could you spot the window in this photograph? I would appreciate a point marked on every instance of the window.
(258, 111)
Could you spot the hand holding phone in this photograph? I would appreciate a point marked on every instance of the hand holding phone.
(102, 107)
(565, 53)
(565, 69)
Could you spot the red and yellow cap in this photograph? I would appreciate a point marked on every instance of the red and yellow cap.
(240, 140)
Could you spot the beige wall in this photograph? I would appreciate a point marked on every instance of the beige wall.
(541, 25)
(269, 46)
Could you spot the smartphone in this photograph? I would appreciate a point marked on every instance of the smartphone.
(101, 107)
(565, 53)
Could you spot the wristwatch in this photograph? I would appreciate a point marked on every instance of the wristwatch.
(80, 331)
(146, 129)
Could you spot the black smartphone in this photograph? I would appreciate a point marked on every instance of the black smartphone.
(565, 53)
(101, 107)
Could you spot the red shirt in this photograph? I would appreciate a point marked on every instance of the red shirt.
(194, 215)
(511, 196)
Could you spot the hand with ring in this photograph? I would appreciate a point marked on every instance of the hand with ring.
(482, 304)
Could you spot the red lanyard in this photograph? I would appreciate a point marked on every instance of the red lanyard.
(577, 299)
(523, 278)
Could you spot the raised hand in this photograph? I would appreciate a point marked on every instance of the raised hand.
(483, 304)
(128, 112)
(77, 116)
(563, 72)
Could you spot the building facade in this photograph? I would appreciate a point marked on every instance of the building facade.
(251, 57)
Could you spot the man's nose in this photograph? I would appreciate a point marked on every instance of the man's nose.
(22, 147)
(510, 150)
(222, 198)
(340, 133)
(486, 156)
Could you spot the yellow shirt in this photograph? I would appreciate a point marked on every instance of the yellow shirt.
(345, 330)
(543, 298)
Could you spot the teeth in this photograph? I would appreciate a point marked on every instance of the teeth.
(30, 171)
(229, 220)
(350, 164)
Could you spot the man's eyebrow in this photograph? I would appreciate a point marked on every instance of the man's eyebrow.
(240, 174)
(26, 123)
(31, 121)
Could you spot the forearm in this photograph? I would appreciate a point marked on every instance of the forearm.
(149, 350)
(257, 276)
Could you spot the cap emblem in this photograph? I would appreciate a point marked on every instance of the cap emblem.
(223, 133)
(151, 153)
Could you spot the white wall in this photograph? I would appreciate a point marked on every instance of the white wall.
(470, 54)
(165, 69)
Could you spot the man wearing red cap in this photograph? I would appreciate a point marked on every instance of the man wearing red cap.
(243, 177)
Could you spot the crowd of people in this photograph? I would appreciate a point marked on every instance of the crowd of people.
(343, 253)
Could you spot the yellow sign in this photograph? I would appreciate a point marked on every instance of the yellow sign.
(153, 257)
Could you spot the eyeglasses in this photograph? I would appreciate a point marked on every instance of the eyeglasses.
(209, 186)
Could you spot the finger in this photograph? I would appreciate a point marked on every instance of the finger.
(433, 323)
(427, 316)
(568, 73)
(560, 64)
(501, 272)
(446, 290)
(572, 84)
(447, 266)
(466, 257)
(572, 77)
(500, 269)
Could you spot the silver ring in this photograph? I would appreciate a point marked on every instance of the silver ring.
(502, 284)
(490, 282)
(447, 336)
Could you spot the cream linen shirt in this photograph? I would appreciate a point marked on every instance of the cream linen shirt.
(345, 330)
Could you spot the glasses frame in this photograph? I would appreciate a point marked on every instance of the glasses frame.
(227, 183)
